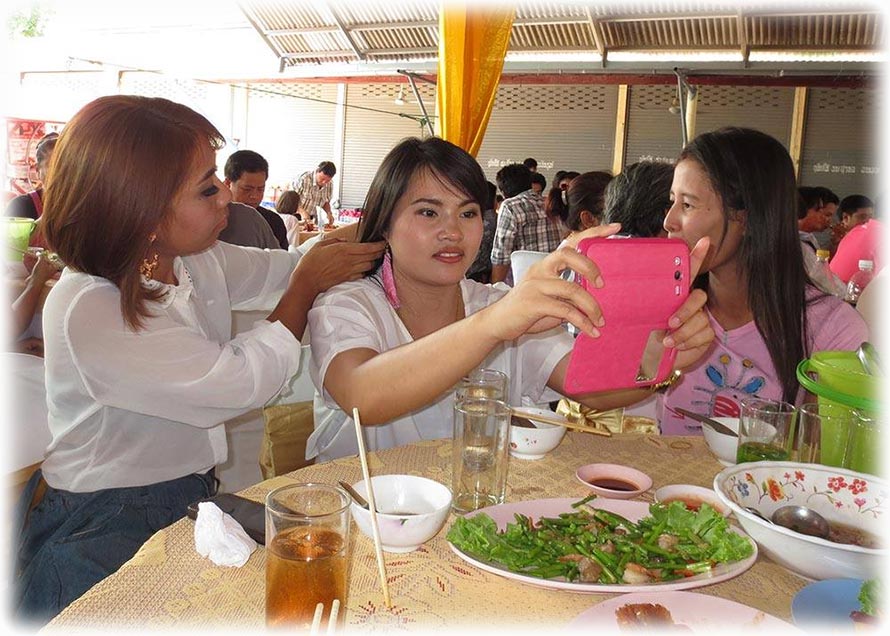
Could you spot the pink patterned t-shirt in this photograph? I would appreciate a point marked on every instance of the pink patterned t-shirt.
(738, 365)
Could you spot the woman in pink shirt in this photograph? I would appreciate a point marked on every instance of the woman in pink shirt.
(737, 187)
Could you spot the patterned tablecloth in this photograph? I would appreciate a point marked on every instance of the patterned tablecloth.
(167, 584)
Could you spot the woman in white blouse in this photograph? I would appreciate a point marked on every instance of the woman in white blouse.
(141, 370)
(396, 343)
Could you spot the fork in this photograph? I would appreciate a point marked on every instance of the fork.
(332, 619)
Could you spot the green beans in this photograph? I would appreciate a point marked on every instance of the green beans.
(545, 549)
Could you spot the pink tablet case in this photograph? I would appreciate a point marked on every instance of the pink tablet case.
(645, 282)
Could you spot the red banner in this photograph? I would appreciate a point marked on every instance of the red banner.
(22, 136)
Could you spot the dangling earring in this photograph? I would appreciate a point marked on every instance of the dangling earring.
(389, 281)
(149, 265)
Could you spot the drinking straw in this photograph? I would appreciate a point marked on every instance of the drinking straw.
(372, 505)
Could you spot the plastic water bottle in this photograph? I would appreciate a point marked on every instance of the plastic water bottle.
(825, 279)
(859, 280)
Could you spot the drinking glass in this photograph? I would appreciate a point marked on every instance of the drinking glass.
(480, 453)
(766, 428)
(482, 383)
(307, 553)
(865, 445)
(811, 424)
(830, 423)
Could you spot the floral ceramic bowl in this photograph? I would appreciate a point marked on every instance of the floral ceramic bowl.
(855, 505)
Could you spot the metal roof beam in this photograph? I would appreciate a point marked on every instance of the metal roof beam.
(302, 31)
(743, 37)
(344, 31)
(595, 30)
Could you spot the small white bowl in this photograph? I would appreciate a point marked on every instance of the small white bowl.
(614, 480)
(692, 496)
(723, 446)
(534, 443)
(413, 510)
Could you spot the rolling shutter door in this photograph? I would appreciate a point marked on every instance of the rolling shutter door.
(841, 141)
(292, 126)
(653, 132)
(373, 127)
(562, 127)
(58, 96)
(209, 99)
(764, 108)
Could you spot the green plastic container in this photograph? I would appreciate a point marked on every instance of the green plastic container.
(18, 233)
(841, 385)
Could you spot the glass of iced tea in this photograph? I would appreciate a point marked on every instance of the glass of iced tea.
(307, 553)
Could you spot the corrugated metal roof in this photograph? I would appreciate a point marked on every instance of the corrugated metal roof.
(315, 32)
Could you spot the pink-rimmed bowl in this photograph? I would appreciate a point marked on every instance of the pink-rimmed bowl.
(614, 480)
(692, 497)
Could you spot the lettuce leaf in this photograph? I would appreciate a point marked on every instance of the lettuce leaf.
(870, 597)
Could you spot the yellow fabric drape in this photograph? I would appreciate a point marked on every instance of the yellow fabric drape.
(472, 43)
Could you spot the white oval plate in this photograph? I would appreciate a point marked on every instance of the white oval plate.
(632, 510)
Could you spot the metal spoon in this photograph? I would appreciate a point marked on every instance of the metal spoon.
(356, 497)
(717, 426)
(868, 356)
(802, 520)
(757, 513)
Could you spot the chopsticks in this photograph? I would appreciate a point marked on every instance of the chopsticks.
(562, 422)
(332, 618)
(378, 548)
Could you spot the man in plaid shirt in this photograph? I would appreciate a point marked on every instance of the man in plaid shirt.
(522, 222)
(315, 189)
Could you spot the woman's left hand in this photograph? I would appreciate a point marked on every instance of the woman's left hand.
(691, 331)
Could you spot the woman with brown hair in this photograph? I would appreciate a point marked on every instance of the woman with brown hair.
(141, 371)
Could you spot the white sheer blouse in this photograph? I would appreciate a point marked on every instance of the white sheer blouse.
(130, 408)
(357, 315)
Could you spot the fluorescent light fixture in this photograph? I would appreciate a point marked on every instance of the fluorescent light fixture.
(676, 56)
(551, 56)
(818, 56)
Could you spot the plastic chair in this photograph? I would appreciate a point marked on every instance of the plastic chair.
(521, 260)
(26, 417)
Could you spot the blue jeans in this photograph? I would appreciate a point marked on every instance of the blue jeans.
(70, 541)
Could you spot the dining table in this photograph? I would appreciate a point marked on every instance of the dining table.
(167, 584)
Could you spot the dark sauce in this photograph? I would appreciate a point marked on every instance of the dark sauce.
(521, 422)
(609, 483)
(842, 533)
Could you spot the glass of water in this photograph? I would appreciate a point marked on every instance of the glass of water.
(480, 453)
(482, 383)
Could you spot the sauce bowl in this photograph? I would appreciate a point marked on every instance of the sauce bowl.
(614, 480)
(692, 496)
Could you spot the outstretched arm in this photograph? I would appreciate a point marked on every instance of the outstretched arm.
(417, 373)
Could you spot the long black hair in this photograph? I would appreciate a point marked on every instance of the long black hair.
(450, 164)
(753, 174)
(585, 193)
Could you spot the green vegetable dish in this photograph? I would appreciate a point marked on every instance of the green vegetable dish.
(590, 545)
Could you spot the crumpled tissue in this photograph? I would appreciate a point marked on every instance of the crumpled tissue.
(220, 538)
